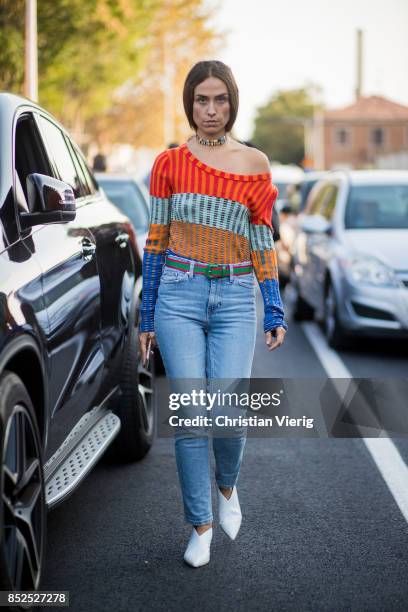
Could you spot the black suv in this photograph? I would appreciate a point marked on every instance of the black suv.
(71, 380)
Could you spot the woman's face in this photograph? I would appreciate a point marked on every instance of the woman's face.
(211, 109)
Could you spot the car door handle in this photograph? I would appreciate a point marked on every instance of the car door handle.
(88, 248)
(122, 240)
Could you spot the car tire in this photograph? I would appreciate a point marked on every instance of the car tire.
(135, 405)
(335, 333)
(283, 282)
(302, 311)
(23, 510)
(159, 368)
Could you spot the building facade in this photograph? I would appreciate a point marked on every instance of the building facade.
(359, 136)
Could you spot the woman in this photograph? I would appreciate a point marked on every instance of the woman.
(211, 205)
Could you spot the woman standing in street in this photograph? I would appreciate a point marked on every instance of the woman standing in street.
(210, 230)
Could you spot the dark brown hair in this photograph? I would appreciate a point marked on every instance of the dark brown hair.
(201, 71)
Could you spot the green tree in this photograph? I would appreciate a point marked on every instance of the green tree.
(86, 48)
(12, 45)
(279, 124)
(179, 36)
(102, 62)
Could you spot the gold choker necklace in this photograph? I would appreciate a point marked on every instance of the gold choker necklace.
(209, 142)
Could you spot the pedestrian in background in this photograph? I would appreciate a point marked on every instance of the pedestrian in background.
(210, 232)
(99, 163)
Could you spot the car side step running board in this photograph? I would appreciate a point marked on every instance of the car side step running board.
(79, 452)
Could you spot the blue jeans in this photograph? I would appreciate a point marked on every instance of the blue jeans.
(206, 329)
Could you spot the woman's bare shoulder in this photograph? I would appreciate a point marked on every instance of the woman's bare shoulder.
(255, 160)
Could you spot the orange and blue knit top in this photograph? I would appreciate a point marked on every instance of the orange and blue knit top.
(210, 216)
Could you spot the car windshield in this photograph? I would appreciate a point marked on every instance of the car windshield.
(283, 187)
(377, 207)
(305, 189)
(127, 196)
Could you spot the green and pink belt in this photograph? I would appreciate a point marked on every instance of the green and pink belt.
(209, 270)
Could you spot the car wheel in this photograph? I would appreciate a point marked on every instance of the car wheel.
(302, 311)
(283, 281)
(23, 511)
(335, 333)
(159, 368)
(135, 406)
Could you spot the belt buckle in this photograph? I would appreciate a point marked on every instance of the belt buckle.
(211, 273)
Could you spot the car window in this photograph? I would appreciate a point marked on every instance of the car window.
(89, 177)
(30, 154)
(318, 199)
(60, 156)
(377, 207)
(128, 197)
(283, 189)
(85, 187)
(305, 189)
(330, 202)
(140, 197)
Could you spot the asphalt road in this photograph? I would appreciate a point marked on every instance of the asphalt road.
(323, 528)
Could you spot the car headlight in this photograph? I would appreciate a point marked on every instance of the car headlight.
(367, 270)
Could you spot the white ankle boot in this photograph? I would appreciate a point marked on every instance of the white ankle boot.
(198, 548)
(229, 513)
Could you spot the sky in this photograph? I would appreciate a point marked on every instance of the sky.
(274, 45)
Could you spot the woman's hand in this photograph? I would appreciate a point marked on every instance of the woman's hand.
(144, 341)
(275, 338)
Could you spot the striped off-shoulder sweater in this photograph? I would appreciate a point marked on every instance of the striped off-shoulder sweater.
(211, 216)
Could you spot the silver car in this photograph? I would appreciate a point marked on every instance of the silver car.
(351, 255)
(287, 225)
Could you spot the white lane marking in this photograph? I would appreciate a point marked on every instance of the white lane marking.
(329, 359)
(382, 450)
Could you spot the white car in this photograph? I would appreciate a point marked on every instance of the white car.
(282, 177)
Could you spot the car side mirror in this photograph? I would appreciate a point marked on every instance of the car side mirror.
(315, 224)
(53, 199)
